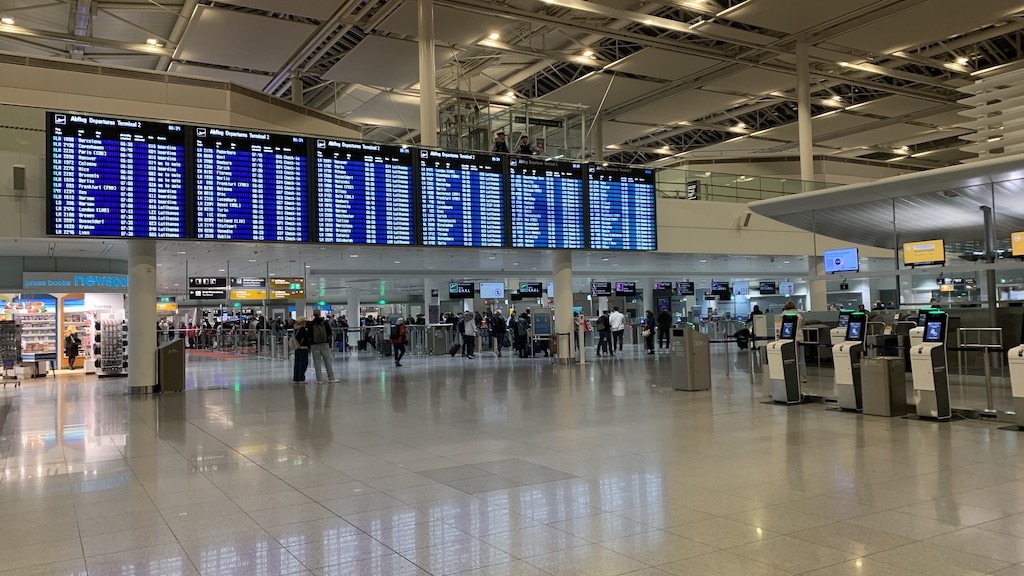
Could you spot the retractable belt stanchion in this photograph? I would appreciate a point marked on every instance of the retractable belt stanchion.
(847, 357)
(928, 367)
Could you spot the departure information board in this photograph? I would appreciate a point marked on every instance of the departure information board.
(462, 199)
(251, 186)
(621, 206)
(547, 204)
(115, 177)
(364, 193)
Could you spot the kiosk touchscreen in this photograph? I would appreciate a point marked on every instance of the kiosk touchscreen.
(837, 335)
(782, 363)
(847, 356)
(917, 334)
(928, 365)
(1016, 359)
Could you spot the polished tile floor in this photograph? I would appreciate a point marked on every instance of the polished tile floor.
(491, 467)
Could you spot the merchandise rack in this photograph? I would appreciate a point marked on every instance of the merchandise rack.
(110, 347)
(10, 350)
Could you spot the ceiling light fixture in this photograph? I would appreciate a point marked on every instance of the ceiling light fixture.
(353, 255)
(494, 36)
(741, 125)
(153, 42)
(963, 61)
(588, 53)
(837, 98)
(510, 94)
(7, 20)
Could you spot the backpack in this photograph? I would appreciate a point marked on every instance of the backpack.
(395, 333)
(293, 342)
(320, 334)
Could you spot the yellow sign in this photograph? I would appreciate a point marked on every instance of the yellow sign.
(255, 294)
(1017, 243)
(928, 252)
(166, 307)
(946, 288)
(287, 288)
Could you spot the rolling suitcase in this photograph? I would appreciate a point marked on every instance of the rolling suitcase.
(454, 350)
(361, 345)
(385, 348)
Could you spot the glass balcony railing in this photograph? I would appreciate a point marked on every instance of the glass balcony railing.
(720, 187)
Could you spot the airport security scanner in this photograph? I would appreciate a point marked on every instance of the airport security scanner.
(837, 335)
(782, 363)
(928, 365)
(1016, 358)
(847, 357)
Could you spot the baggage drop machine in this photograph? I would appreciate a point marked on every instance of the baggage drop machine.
(837, 335)
(928, 366)
(847, 356)
(1016, 360)
(782, 363)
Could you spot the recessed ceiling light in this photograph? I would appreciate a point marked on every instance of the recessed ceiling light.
(308, 266)
(605, 259)
(180, 252)
(7, 20)
(703, 261)
(515, 263)
(272, 274)
(177, 284)
(588, 53)
(741, 125)
(785, 262)
(251, 260)
(221, 270)
(353, 255)
(397, 262)
(510, 94)
(494, 36)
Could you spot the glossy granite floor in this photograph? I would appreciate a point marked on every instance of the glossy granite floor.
(491, 467)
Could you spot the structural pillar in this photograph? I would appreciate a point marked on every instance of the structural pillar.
(428, 75)
(562, 269)
(352, 315)
(142, 316)
(803, 103)
(649, 301)
(817, 290)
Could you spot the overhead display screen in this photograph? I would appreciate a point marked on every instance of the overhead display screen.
(928, 252)
(843, 260)
(767, 288)
(621, 208)
(685, 289)
(364, 193)
(462, 199)
(1017, 243)
(492, 290)
(625, 288)
(600, 288)
(461, 290)
(547, 204)
(530, 289)
(251, 186)
(115, 177)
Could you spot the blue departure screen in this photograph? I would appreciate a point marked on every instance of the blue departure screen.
(115, 177)
(547, 204)
(621, 204)
(364, 193)
(251, 186)
(462, 199)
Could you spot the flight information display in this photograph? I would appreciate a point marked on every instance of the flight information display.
(462, 199)
(251, 186)
(115, 177)
(547, 204)
(364, 193)
(621, 206)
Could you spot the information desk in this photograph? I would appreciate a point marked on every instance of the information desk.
(462, 199)
(115, 177)
(364, 193)
(547, 203)
(621, 208)
(251, 186)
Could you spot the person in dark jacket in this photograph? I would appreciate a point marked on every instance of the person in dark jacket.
(500, 145)
(524, 146)
(650, 324)
(398, 343)
(664, 326)
(71, 345)
(498, 328)
(305, 340)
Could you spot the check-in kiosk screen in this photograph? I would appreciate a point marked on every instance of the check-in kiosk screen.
(855, 331)
(935, 329)
(844, 319)
(788, 331)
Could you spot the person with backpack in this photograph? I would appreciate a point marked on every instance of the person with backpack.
(398, 337)
(299, 343)
(604, 334)
(522, 335)
(498, 329)
(320, 350)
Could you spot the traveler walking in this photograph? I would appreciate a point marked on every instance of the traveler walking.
(320, 336)
(617, 320)
(648, 331)
(469, 332)
(604, 334)
(399, 335)
(664, 325)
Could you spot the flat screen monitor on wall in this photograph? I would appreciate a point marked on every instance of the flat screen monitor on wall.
(457, 290)
(492, 290)
(767, 288)
(741, 288)
(1017, 243)
(721, 290)
(923, 253)
(843, 260)
(786, 288)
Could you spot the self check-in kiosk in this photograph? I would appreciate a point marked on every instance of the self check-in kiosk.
(837, 335)
(782, 364)
(847, 356)
(928, 365)
(917, 334)
(1016, 360)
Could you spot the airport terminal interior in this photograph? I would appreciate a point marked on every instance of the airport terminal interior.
(644, 287)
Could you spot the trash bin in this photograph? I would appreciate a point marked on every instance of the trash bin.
(690, 357)
(170, 367)
(884, 386)
(440, 340)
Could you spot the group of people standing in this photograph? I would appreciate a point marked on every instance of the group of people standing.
(611, 327)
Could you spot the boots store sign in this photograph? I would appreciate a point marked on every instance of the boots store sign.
(74, 282)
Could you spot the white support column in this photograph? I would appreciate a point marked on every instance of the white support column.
(649, 302)
(141, 316)
(817, 290)
(562, 270)
(353, 315)
(428, 75)
(803, 99)
(431, 286)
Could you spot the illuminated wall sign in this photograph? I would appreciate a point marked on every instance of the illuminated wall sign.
(72, 282)
(287, 289)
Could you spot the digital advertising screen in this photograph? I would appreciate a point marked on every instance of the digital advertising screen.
(115, 177)
(767, 288)
(741, 288)
(462, 199)
(621, 208)
(546, 203)
(625, 288)
(1017, 243)
(787, 288)
(531, 289)
(364, 193)
(492, 290)
(685, 289)
(251, 186)
(844, 260)
(600, 289)
(921, 253)
(461, 290)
